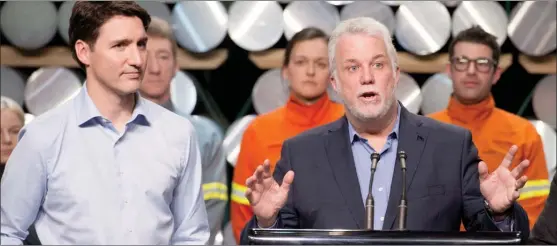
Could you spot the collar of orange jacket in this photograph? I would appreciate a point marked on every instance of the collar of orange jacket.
(303, 114)
(471, 113)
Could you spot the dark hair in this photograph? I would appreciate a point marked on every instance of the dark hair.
(308, 33)
(88, 17)
(476, 34)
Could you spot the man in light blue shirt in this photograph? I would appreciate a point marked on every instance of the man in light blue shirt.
(107, 167)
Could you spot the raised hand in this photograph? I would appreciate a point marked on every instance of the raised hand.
(265, 195)
(500, 188)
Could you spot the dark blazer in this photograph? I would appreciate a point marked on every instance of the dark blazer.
(442, 180)
(545, 229)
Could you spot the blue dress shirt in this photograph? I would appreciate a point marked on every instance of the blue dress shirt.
(80, 181)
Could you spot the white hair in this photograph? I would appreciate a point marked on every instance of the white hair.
(361, 25)
(8, 103)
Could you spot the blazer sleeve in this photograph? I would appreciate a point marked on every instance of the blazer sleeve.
(545, 228)
(287, 218)
(475, 217)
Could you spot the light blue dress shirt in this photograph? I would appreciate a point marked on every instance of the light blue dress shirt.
(383, 173)
(80, 181)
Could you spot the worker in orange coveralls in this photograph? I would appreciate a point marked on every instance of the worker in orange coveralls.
(474, 56)
(306, 68)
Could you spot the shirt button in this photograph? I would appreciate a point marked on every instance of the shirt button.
(380, 188)
(382, 218)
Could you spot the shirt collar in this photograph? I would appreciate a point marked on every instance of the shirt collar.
(87, 112)
(353, 135)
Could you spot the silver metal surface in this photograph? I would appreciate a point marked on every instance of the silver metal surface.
(543, 100)
(49, 87)
(408, 93)
(157, 8)
(28, 118)
(12, 84)
(436, 93)
(211, 125)
(451, 3)
(64, 14)
(394, 3)
(255, 26)
(339, 3)
(233, 138)
(183, 92)
(532, 27)
(375, 10)
(490, 16)
(29, 24)
(549, 140)
(269, 92)
(447, 3)
(423, 28)
(301, 14)
(199, 26)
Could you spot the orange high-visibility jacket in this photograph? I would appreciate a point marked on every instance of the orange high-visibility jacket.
(263, 139)
(494, 131)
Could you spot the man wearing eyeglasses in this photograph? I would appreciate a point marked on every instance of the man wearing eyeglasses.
(474, 69)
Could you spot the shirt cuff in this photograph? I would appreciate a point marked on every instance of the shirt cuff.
(505, 225)
(271, 227)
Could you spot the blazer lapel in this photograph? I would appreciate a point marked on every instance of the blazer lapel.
(339, 153)
(412, 139)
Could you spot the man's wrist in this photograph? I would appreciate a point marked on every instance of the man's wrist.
(266, 223)
(497, 216)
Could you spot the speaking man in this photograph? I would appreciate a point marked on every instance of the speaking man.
(108, 166)
(446, 182)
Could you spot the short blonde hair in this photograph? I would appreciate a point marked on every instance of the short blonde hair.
(8, 103)
(162, 29)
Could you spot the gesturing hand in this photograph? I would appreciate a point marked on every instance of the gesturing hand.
(265, 195)
(500, 188)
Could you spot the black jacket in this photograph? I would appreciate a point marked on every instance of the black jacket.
(545, 229)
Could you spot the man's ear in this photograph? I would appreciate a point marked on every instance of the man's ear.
(496, 75)
(448, 69)
(284, 74)
(83, 52)
(333, 81)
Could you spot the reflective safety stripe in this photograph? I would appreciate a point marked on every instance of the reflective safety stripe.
(239, 194)
(534, 188)
(215, 190)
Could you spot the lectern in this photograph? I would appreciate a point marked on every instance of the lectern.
(368, 237)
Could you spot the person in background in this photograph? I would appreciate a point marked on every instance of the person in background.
(13, 119)
(305, 66)
(161, 68)
(108, 166)
(474, 69)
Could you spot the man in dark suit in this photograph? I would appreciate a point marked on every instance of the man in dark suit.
(446, 181)
(545, 229)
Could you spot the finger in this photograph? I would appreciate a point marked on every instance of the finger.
(482, 170)
(521, 182)
(259, 173)
(249, 181)
(287, 181)
(249, 195)
(266, 169)
(520, 168)
(508, 159)
(515, 195)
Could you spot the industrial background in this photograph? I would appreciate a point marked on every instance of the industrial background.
(231, 53)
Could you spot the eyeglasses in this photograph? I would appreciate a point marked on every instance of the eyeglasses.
(482, 64)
